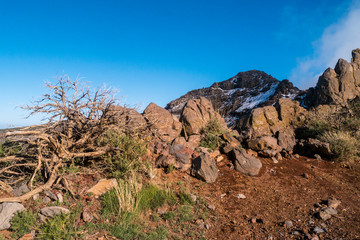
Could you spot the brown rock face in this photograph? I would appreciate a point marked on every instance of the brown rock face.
(162, 123)
(128, 119)
(337, 86)
(196, 114)
(272, 127)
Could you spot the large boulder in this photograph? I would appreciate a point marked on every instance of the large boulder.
(196, 114)
(161, 122)
(245, 163)
(204, 168)
(128, 119)
(338, 85)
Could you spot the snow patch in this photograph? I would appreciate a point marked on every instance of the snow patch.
(252, 102)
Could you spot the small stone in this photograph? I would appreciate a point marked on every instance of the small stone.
(240, 196)
(324, 226)
(296, 156)
(60, 197)
(162, 210)
(52, 211)
(274, 160)
(87, 217)
(318, 230)
(222, 195)
(296, 233)
(46, 199)
(193, 197)
(305, 175)
(253, 220)
(333, 203)
(278, 156)
(41, 217)
(51, 195)
(219, 158)
(27, 236)
(288, 223)
(317, 156)
(314, 238)
(311, 222)
(20, 190)
(102, 187)
(207, 226)
(36, 197)
(326, 213)
(210, 206)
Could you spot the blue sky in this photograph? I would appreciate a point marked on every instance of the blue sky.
(156, 51)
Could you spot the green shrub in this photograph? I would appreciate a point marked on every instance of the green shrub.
(170, 215)
(22, 223)
(62, 226)
(152, 197)
(185, 213)
(127, 155)
(185, 198)
(342, 144)
(9, 148)
(212, 132)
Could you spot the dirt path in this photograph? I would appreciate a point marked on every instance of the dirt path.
(288, 190)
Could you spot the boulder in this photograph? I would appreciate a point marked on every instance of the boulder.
(52, 211)
(165, 161)
(245, 163)
(310, 147)
(128, 119)
(161, 122)
(194, 141)
(182, 156)
(196, 114)
(263, 143)
(273, 127)
(7, 212)
(204, 168)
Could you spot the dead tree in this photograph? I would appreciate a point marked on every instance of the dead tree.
(76, 117)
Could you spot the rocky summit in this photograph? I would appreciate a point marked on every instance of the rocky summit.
(236, 96)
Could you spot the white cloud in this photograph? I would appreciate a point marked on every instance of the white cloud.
(336, 42)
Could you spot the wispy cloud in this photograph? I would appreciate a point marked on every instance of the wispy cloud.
(336, 42)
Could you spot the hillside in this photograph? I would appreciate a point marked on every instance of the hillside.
(251, 157)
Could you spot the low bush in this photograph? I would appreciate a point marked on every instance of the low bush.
(342, 144)
(152, 197)
(212, 132)
(22, 223)
(127, 154)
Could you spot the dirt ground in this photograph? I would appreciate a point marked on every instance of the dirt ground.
(292, 189)
(288, 190)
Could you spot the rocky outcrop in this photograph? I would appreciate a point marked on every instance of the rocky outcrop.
(161, 122)
(245, 163)
(204, 168)
(128, 119)
(273, 127)
(196, 114)
(236, 96)
(337, 86)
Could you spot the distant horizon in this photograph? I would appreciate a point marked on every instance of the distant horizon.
(158, 51)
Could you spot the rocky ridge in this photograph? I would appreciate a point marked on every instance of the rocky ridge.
(234, 97)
